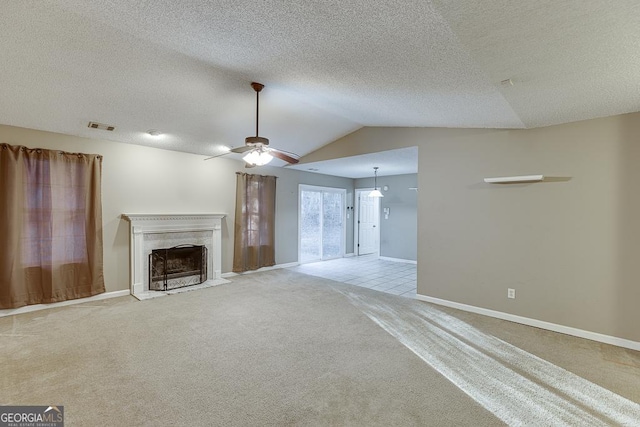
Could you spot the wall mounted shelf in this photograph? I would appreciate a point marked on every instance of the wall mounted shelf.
(512, 179)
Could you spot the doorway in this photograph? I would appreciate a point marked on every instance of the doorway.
(367, 227)
(322, 224)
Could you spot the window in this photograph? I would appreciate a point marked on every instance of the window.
(54, 212)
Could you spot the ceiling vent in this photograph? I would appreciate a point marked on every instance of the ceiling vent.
(96, 125)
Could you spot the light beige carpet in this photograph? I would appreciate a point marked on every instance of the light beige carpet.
(283, 348)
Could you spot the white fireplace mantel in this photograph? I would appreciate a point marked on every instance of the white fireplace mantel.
(144, 227)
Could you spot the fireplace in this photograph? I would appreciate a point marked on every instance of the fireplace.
(176, 267)
(149, 232)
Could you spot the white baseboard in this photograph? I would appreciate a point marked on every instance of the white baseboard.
(408, 261)
(594, 336)
(37, 307)
(273, 267)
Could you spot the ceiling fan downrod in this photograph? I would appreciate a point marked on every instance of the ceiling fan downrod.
(257, 87)
(257, 140)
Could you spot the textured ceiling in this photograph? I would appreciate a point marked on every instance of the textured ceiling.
(331, 67)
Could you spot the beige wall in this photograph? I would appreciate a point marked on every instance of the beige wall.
(138, 179)
(569, 245)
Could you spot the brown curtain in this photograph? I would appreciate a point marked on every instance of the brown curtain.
(50, 226)
(255, 222)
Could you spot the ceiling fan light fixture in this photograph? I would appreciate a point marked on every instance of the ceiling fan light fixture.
(257, 157)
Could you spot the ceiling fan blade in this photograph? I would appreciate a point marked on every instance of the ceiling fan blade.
(282, 156)
(218, 155)
(242, 149)
(249, 165)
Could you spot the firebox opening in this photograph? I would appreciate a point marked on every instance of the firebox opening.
(176, 267)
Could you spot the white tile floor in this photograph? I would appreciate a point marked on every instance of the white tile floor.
(398, 278)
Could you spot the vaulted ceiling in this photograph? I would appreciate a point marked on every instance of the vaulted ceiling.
(330, 67)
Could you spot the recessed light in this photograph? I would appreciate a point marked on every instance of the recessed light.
(154, 132)
(313, 169)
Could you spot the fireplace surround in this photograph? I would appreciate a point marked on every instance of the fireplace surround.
(150, 232)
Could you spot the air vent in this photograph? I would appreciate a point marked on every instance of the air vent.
(96, 125)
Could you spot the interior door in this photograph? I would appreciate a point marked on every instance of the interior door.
(368, 218)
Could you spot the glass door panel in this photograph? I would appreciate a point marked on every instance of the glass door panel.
(332, 225)
(310, 226)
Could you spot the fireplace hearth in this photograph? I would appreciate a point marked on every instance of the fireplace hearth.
(177, 267)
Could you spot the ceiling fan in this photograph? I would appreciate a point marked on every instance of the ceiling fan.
(257, 147)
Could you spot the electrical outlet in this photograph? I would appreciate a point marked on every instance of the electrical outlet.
(511, 293)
